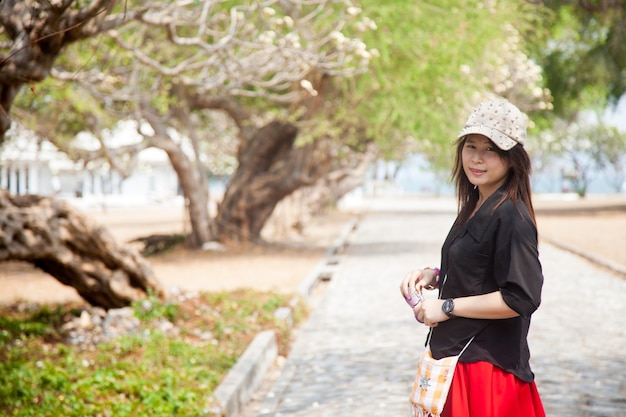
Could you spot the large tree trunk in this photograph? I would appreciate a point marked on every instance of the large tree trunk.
(61, 241)
(268, 170)
(271, 168)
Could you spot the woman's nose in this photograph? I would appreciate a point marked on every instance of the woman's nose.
(476, 155)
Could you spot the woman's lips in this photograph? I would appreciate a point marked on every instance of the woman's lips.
(477, 172)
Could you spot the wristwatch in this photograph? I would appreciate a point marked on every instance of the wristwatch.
(447, 308)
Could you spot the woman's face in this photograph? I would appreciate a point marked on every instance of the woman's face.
(483, 165)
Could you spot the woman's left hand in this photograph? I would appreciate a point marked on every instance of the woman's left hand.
(430, 313)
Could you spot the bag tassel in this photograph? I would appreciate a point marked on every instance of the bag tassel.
(420, 412)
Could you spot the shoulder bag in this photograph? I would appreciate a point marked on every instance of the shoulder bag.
(433, 380)
(432, 383)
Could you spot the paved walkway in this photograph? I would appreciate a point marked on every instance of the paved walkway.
(358, 353)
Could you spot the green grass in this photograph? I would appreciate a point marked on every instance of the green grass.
(145, 374)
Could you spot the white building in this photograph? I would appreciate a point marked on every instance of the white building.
(31, 165)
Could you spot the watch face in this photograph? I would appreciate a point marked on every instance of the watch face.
(448, 306)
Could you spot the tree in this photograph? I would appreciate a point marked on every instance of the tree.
(584, 54)
(57, 239)
(182, 60)
(31, 46)
(45, 232)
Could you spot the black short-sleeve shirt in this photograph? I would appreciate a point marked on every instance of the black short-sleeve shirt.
(495, 250)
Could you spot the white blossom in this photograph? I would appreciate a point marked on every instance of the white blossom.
(353, 10)
(306, 84)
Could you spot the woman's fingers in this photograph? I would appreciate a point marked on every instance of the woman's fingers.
(409, 282)
(419, 316)
(429, 312)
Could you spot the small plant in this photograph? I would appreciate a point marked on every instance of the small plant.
(146, 373)
(152, 308)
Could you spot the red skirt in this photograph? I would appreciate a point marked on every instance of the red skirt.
(485, 390)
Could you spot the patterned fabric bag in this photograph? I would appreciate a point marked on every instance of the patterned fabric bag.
(432, 383)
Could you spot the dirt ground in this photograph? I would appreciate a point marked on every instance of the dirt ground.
(275, 266)
(595, 224)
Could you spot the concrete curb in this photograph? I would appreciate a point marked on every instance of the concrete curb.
(244, 378)
(326, 267)
(613, 266)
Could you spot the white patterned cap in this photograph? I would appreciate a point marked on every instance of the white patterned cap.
(500, 121)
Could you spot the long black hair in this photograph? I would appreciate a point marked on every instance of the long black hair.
(517, 182)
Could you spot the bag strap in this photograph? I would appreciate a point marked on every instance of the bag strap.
(462, 350)
(467, 345)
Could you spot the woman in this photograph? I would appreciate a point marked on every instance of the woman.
(490, 279)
